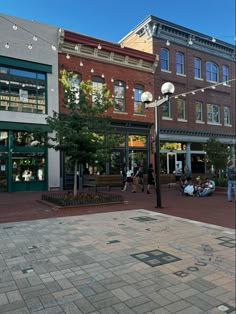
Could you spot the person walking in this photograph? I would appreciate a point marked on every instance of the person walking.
(135, 178)
(128, 180)
(231, 180)
(150, 178)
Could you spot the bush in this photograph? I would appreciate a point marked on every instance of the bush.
(220, 181)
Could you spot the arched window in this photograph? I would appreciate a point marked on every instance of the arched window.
(197, 68)
(212, 72)
(119, 96)
(165, 59)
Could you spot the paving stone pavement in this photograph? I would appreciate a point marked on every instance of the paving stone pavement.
(127, 262)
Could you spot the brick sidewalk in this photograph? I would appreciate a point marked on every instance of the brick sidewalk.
(215, 209)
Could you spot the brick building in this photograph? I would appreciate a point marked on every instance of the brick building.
(127, 73)
(202, 69)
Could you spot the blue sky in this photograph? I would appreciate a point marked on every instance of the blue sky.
(111, 20)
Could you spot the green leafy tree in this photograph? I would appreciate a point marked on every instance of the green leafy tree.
(82, 132)
(217, 154)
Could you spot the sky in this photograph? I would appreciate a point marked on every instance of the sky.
(112, 20)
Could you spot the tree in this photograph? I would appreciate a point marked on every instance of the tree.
(82, 132)
(217, 154)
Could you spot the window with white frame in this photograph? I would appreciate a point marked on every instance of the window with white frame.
(212, 72)
(227, 120)
(166, 110)
(119, 96)
(225, 73)
(97, 83)
(179, 63)
(165, 59)
(197, 68)
(181, 109)
(198, 111)
(138, 105)
(213, 114)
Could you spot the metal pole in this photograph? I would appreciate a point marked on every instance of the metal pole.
(157, 159)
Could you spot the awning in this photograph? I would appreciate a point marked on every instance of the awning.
(25, 127)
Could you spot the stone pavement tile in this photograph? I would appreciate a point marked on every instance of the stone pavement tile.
(13, 296)
(84, 306)
(12, 306)
(120, 294)
(163, 311)
(48, 300)
(132, 291)
(122, 309)
(3, 299)
(52, 310)
(168, 295)
(178, 306)
(18, 311)
(106, 303)
(198, 302)
(142, 308)
(187, 293)
(7, 286)
(216, 291)
(70, 308)
(34, 304)
(137, 301)
(107, 310)
(159, 299)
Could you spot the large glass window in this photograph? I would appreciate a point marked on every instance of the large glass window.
(179, 63)
(227, 120)
(165, 59)
(23, 138)
(28, 167)
(138, 105)
(197, 68)
(181, 110)
(119, 96)
(198, 111)
(3, 138)
(22, 90)
(213, 114)
(212, 72)
(225, 73)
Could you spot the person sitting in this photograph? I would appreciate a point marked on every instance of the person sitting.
(188, 187)
(207, 189)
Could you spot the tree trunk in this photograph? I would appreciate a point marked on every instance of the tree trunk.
(75, 178)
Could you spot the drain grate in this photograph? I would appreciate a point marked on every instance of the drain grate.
(143, 218)
(156, 258)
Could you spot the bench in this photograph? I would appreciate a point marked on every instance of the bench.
(106, 180)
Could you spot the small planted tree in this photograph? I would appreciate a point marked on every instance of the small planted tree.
(217, 154)
(82, 132)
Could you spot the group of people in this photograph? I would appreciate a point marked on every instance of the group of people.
(134, 178)
(196, 188)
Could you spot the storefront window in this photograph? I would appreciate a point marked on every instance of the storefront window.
(3, 138)
(28, 167)
(22, 90)
(137, 140)
(22, 138)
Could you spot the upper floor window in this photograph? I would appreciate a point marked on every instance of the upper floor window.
(197, 68)
(212, 72)
(165, 59)
(213, 114)
(181, 109)
(119, 96)
(22, 90)
(166, 109)
(138, 105)
(3, 138)
(227, 115)
(198, 111)
(179, 63)
(225, 73)
(97, 83)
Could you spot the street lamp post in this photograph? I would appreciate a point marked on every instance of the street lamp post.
(167, 89)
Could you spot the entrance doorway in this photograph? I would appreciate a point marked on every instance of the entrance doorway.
(3, 174)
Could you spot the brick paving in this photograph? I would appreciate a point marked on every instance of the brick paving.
(126, 258)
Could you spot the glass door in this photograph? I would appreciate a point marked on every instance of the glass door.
(3, 174)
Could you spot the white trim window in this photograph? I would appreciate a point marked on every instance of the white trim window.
(165, 59)
(212, 72)
(179, 63)
(166, 110)
(197, 68)
(213, 114)
(198, 111)
(97, 83)
(227, 120)
(181, 109)
(225, 74)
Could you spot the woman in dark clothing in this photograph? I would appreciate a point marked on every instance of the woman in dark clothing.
(150, 178)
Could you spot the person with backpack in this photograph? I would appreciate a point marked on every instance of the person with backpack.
(231, 180)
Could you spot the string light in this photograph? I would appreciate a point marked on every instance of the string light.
(35, 38)
(203, 89)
